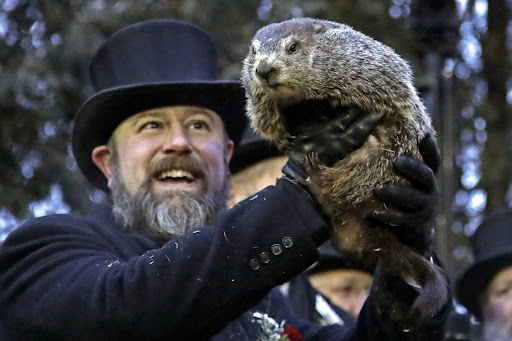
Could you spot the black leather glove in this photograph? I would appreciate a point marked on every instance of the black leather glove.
(331, 142)
(412, 218)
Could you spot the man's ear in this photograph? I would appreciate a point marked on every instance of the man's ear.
(102, 158)
(229, 150)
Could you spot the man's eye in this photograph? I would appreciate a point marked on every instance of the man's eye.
(199, 125)
(504, 292)
(345, 290)
(151, 125)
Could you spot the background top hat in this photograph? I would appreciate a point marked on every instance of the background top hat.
(492, 249)
(251, 150)
(331, 259)
(149, 65)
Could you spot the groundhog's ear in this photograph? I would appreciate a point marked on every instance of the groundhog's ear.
(319, 28)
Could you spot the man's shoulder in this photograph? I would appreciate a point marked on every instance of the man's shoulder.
(52, 222)
(61, 224)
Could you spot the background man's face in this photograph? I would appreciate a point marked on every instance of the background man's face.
(253, 179)
(347, 288)
(195, 135)
(497, 312)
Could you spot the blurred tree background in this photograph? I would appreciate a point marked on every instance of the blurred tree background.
(459, 50)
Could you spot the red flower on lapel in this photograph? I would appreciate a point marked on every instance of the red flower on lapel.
(292, 333)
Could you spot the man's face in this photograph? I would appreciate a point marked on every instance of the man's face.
(146, 140)
(347, 288)
(253, 179)
(167, 160)
(497, 311)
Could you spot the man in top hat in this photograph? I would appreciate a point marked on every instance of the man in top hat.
(164, 262)
(341, 283)
(485, 288)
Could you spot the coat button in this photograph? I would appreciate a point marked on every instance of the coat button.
(287, 242)
(276, 249)
(265, 257)
(254, 264)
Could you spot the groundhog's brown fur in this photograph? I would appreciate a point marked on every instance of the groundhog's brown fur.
(304, 60)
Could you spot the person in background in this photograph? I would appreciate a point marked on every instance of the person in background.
(255, 164)
(485, 288)
(166, 261)
(345, 283)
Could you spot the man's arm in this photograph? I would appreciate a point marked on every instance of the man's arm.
(67, 276)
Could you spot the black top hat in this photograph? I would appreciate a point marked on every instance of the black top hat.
(492, 249)
(149, 65)
(330, 259)
(252, 149)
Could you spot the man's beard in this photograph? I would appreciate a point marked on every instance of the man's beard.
(497, 331)
(175, 213)
(495, 328)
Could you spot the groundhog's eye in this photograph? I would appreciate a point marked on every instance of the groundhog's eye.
(292, 48)
(253, 49)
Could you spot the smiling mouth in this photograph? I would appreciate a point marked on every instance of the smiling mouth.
(176, 175)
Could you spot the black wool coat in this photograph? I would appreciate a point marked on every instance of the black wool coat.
(68, 277)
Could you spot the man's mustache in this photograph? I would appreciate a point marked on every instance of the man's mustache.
(185, 162)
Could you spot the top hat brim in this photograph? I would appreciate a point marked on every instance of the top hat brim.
(248, 154)
(331, 259)
(329, 263)
(103, 112)
(472, 283)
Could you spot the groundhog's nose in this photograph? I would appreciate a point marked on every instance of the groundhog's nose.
(263, 69)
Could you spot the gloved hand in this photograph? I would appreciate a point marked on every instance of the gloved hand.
(330, 143)
(412, 218)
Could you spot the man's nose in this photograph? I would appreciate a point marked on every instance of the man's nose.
(177, 141)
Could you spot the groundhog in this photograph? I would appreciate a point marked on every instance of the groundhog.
(303, 71)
